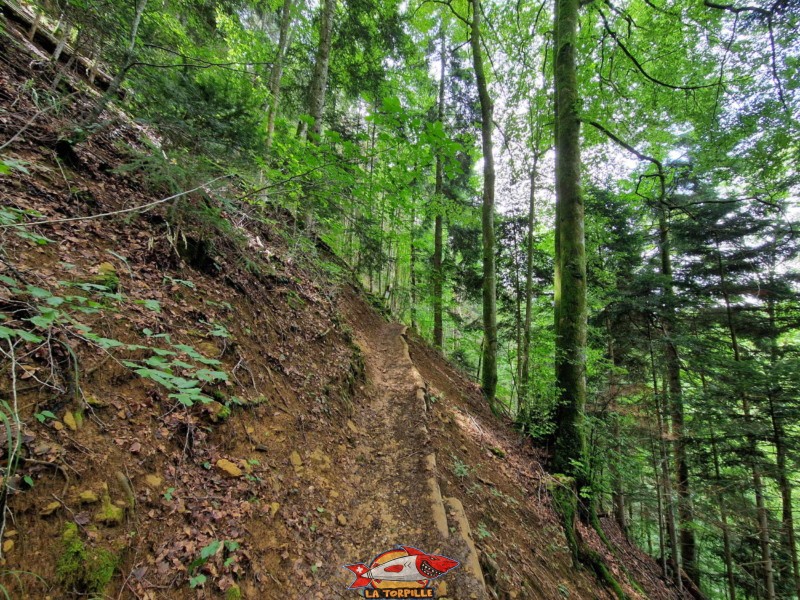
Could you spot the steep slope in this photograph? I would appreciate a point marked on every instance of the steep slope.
(318, 435)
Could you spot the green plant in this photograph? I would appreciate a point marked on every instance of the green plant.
(482, 532)
(460, 468)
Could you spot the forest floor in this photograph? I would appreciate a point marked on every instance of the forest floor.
(334, 434)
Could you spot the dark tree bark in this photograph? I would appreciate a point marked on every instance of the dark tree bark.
(489, 371)
(438, 275)
(524, 383)
(672, 361)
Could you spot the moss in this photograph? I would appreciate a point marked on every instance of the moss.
(86, 570)
(234, 593)
(109, 514)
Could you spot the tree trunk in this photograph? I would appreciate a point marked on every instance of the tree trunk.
(779, 441)
(277, 69)
(672, 361)
(758, 485)
(665, 472)
(570, 276)
(438, 275)
(723, 514)
(524, 384)
(319, 80)
(489, 371)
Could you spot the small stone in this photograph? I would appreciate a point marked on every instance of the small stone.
(274, 508)
(227, 467)
(88, 497)
(295, 459)
(153, 481)
(342, 520)
(70, 422)
(8, 546)
(58, 425)
(50, 509)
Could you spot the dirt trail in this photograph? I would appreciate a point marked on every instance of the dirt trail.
(398, 501)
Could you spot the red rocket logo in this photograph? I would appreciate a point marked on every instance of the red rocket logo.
(401, 568)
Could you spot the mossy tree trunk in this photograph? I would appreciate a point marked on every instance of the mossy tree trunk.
(570, 276)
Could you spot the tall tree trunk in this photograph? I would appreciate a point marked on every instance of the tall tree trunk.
(438, 275)
(489, 371)
(666, 478)
(672, 361)
(758, 485)
(617, 488)
(723, 514)
(319, 80)
(570, 275)
(788, 537)
(524, 384)
(277, 69)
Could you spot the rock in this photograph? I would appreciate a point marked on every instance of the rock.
(109, 514)
(295, 459)
(227, 467)
(88, 497)
(50, 509)
(153, 481)
(342, 520)
(58, 425)
(8, 546)
(70, 422)
(274, 508)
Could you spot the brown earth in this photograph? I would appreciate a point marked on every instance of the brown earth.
(346, 436)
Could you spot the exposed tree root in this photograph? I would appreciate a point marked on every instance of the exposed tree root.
(569, 508)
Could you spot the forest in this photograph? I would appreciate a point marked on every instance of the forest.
(587, 206)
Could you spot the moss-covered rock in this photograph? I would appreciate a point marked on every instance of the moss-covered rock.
(83, 569)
